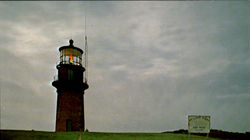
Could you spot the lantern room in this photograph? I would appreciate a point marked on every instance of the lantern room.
(71, 54)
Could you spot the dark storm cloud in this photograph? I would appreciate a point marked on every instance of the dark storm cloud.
(150, 63)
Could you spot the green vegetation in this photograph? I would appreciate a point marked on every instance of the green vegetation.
(37, 135)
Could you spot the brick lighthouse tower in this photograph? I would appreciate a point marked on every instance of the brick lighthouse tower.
(70, 89)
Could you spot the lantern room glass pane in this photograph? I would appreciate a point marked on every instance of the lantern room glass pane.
(71, 56)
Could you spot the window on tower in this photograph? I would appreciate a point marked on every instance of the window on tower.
(70, 74)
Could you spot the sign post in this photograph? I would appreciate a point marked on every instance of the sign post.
(198, 124)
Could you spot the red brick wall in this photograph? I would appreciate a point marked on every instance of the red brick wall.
(70, 106)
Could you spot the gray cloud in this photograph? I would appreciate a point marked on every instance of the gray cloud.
(151, 64)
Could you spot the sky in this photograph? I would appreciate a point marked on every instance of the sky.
(150, 64)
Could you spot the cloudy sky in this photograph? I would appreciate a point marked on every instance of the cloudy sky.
(151, 64)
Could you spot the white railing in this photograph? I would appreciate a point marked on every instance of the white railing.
(68, 62)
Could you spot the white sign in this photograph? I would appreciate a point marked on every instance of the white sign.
(198, 124)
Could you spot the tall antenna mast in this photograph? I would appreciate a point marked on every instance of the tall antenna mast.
(86, 50)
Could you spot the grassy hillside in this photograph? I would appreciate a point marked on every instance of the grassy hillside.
(37, 135)
(218, 134)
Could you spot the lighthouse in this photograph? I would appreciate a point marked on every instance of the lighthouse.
(70, 89)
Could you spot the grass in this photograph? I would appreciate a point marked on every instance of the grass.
(38, 135)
